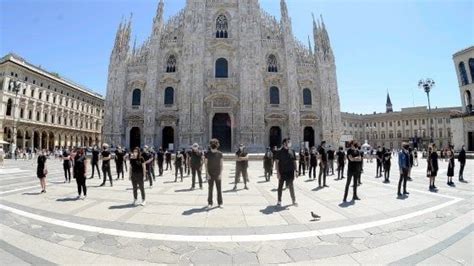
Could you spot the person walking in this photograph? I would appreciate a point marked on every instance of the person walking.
(341, 161)
(462, 163)
(451, 165)
(404, 165)
(178, 165)
(79, 171)
(241, 166)
(160, 156)
(285, 163)
(432, 170)
(323, 164)
(66, 157)
(214, 167)
(106, 157)
(95, 161)
(268, 164)
(119, 161)
(148, 157)
(168, 160)
(195, 162)
(387, 156)
(313, 162)
(41, 170)
(378, 156)
(354, 158)
(137, 175)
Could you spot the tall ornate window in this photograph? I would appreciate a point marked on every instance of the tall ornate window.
(136, 97)
(222, 68)
(274, 95)
(307, 99)
(471, 68)
(462, 72)
(272, 63)
(171, 64)
(222, 26)
(9, 107)
(169, 96)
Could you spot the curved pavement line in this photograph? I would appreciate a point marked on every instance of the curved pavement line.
(225, 238)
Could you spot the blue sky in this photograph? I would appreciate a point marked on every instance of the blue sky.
(379, 45)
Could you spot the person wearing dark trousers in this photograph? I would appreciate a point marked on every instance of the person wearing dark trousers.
(168, 160)
(80, 173)
(178, 165)
(241, 166)
(152, 163)
(411, 163)
(185, 160)
(450, 166)
(188, 158)
(330, 162)
(285, 163)
(313, 162)
(95, 161)
(160, 156)
(147, 156)
(378, 157)
(119, 160)
(354, 158)
(214, 166)
(268, 164)
(137, 175)
(432, 167)
(67, 166)
(195, 161)
(302, 162)
(404, 165)
(106, 157)
(387, 156)
(323, 164)
(341, 160)
(462, 163)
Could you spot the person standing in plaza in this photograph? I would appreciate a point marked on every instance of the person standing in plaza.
(119, 161)
(106, 157)
(462, 163)
(268, 164)
(79, 171)
(404, 166)
(168, 160)
(354, 158)
(148, 157)
(302, 161)
(313, 162)
(195, 162)
(330, 161)
(432, 167)
(285, 164)
(411, 163)
(323, 164)
(95, 161)
(178, 165)
(66, 157)
(341, 161)
(137, 174)
(387, 156)
(214, 166)
(152, 163)
(41, 170)
(188, 158)
(451, 165)
(160, 156)
(379, 158)
(241, 166)
(415, 157)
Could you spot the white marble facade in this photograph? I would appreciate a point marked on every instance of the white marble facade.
(225, 69)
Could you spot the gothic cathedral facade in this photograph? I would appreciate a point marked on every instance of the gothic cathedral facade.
(222, 69)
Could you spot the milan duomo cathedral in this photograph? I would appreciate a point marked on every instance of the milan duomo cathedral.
(222, 69)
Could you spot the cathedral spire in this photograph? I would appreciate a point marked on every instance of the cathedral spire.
(284, 9)
(158, 20)
(388, 105)
(309, 46)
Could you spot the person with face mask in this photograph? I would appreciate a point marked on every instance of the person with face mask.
(137, 174)
(241, 166)
(79, 171)
(95, 161)
(106, 157)
(302, 161)
(313, 162)
(379, 158)
(285, 163)
(404, 165)
(168, 160)
(323, 164)
(214, 166)
(160, 158)
(353, 170)
(195, 160)
(147, 156)
(119, 160)
(268, 164)
(341, 161)
(387, 156)
(178, 165)
(330, 161)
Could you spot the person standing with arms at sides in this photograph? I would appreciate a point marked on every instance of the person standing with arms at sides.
(188, 158)
(95, 161)
(451, 165)
(302, 161)
(432, 167)
(285, 163)
(168, 160)
(214, 166)
(412, 160)
(241, 166)
(379, 158)
(268, 164)
(354, 158)
(178, 165)
(330, 162)
(160, 158)
(341, 161)
(404, 165)
(195, 161)
(313, 162)
(387, 156)
(148, 160)
(106, 157)
(323, 163)
(152, 163)
(119, 161)
(66, 165)
(79, 171)
(185, 160)
(137, 174)
(41, 170)
(462, 163)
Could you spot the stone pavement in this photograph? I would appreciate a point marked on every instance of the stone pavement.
(176, 227)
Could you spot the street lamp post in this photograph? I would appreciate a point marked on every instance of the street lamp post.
(427, 85)
(15, 86)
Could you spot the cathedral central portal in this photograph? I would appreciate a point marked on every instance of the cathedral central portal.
(222, 130)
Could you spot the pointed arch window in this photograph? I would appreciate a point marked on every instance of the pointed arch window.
(471, 68)
(274, 95)
(222, 27)
(9, 107)
(136, 97)
(222, 68)
(462, 72)
(307, 99)
(272, 63)
(171, 64)
(169, 96)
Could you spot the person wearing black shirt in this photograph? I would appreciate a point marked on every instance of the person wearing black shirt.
(285, 163)
(119, 160)
(41, 170)
(378, 156)
(188, 161)
(106, 157)
(241, 166)
(353, 170)
(214, 166)
(137, 174)
(451, 165)
(80, 173)
(168, 160)
(330, 162)
(160, 158)
(404, 166)
(268, 164)
(195, 161)
(411, 162)
(185, 160)
(302, 162)
(323, 163)
(148, 157)
(387, 156)
(432, 166)
(313, 162)
(67, 166)
(151, 165)
(341, 159)
(95, 161)
(178, 165)
(462, 163)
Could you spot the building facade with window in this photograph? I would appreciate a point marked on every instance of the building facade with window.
(41, 110)
(225, 70)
